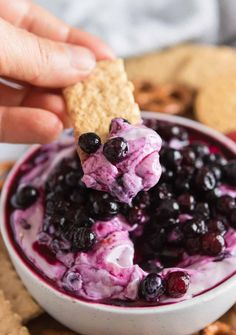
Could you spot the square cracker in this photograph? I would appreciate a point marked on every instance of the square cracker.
(104, 95)
(14, 290)
(10, 323)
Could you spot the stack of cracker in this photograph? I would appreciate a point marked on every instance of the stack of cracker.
(209, 70)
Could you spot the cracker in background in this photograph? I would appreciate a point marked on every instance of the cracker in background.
(104, 95)
(163, 66)
(207, 63)
(21, 301)
(58, 332)
(10, 323)
(215, 105)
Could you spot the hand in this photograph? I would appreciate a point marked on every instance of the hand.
(43, 54)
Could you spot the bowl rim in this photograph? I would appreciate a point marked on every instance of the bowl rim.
(34, 276)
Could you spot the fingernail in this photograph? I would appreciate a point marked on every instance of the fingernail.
(81, 58)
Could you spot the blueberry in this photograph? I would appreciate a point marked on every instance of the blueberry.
(230, 172)
(115, 149)
(137, 215)
(168, 208)
(174, 236)
(194, 227)
(168, 132)
(103, 207)
(89, 142)
(200, 149)
(71, 179)
(212, 196)
(232, 218)
(217, 170)
(25, 196)
(83, 239)
(193, 245)
(156, 238)
(217, 226)
(215, 159)
(225, 204)
(77, 197)
(189, 156)
(186, 202)
(167, 175)
(202, 210)
(171, 255)
(177, 283)
(161, 192)
(142, 200)
(151, 287)
(213, 244)
(205, 180)
(83, 220)
(182, 184)
(171, 158)
(151, 266)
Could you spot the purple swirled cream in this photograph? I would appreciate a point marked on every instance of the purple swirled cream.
(172, 242)
(138, 169)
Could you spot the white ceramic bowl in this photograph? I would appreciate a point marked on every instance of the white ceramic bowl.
(87, 318)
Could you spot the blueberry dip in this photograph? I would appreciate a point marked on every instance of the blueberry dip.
(171, 243)
(127, 163)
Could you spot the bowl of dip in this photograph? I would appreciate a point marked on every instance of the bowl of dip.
(164, 263)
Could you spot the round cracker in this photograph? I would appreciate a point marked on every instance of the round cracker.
(216, 103)
(207, 63)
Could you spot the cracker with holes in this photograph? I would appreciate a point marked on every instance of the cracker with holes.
(10, 323)
(104, 95)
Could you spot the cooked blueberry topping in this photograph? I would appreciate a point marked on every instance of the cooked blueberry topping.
(230, 172)
(200, 149)
(89, 142)
(217, 226)
(103, 206)
(189, 156)
(202, 209)
(232, 218)
(213, 244)
(169, 132)
(161, 192)
(171, 158)
(225, 204)
(186, 202)
(25, 196)
(142, 199)
(167, 208)
(137, 215)
(186, 212)
(152, 287)
(83, 239)
(177, 283)
(115, 149)
(205, 180)
(195, 227)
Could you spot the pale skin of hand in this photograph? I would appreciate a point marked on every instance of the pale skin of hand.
(44, 55)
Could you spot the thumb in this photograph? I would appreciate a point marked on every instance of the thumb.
(39, 61)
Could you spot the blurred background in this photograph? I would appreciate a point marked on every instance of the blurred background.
(133, 27)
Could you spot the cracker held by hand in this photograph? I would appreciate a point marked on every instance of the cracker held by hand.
(10, 323)
(104, 95)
